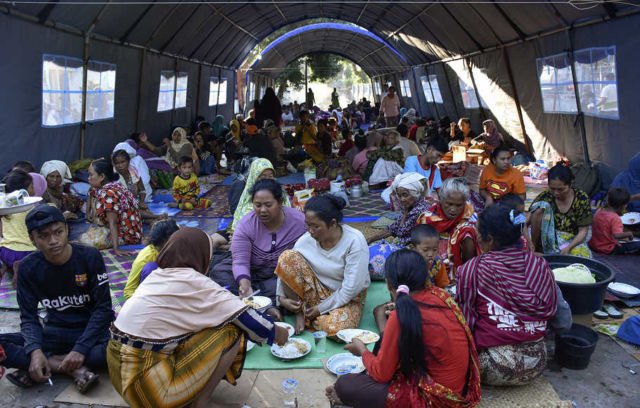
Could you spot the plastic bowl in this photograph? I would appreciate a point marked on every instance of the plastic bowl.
(584, 298)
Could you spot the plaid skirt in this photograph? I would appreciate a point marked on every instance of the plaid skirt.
(172, 378)
(295, 272)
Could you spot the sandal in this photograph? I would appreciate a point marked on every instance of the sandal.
(20, 378)
(612, 311)
(85, 381)
(600, 314)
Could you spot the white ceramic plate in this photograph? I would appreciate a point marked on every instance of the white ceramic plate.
(475, 151)
(623, 290)
(29, 202)
(345, 363)
(258, 302)
(367, 337)
(250, 345)
(631, 218)
(287, 326)
(293, 349)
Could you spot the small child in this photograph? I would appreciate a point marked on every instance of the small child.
(348, 144)
(16, 244)
(607, 226)
(145, 261)
(425, 240)
(186, 188)
(130, 179)
(515, 202)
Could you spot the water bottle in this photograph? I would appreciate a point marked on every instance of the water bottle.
(289, 387)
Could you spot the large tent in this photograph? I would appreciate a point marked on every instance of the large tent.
(445, 54)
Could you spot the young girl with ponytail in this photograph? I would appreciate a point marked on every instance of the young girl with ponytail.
(427, 356)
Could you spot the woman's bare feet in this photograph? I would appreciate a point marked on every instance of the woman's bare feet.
(299, 324)
(332, 396)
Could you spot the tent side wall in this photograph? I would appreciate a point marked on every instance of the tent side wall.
(136, 95)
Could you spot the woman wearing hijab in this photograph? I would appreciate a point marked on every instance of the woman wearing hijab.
(39, 184)
(180, 333)
(260, 169)
(491, 136)
(408, 189)
(57, 174)
(630, 181)
(139, 165)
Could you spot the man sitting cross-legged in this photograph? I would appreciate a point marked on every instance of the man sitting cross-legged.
(71, 282)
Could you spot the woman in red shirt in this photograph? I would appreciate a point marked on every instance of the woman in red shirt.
(427, 356)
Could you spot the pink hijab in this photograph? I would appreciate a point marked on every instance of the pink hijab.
(39, 184)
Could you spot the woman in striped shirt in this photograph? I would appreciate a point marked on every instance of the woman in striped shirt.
(507, 295)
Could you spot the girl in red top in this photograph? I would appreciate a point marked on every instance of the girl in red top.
(427, 357)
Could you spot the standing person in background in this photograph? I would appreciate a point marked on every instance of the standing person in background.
(269, 108)
(311, 99)
(335, 99)
(390, 107)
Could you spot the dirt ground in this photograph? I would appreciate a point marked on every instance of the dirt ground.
(605, 383)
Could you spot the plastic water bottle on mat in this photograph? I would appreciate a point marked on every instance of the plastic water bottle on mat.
(289, 387)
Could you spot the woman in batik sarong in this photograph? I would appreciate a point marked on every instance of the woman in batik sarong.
(181, 333)
(426, 358)
(507, 295)
(323, 279)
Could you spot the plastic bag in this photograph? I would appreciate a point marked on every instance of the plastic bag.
(575, 273)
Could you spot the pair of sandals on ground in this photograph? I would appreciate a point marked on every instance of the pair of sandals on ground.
(83, 379)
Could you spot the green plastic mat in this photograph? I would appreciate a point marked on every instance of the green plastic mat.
(260, 358)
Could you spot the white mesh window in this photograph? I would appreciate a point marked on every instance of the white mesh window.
(431, 88)
(597, 81)
(170, 85)
(556, 84)
(406, 88)
(181, 89)
(61, 90)
(470, 99)
(217, 91)
(101, 89)
(378, 89)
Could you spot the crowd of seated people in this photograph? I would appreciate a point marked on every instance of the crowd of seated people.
(183, 326)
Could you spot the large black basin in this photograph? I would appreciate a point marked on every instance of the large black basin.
(583, 298)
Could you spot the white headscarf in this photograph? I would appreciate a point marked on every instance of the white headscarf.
(56, 165)
(413, 182)
(139, 165)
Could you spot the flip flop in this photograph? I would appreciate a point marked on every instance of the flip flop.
(612, 311)
(600, 314)
(86, 381)
(20, 378)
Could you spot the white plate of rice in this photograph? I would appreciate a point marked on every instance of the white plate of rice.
(366, 336)
(292, 350)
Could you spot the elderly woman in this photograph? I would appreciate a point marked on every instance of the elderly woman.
(323, 280)
(454, 218)
(387, 161)
(113, 209)
(561, 217)
(181, 333)
(507, 295)
(57, 173)
(258, 240)
(409, 189)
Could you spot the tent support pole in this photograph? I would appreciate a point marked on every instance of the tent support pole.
(415, 82)
(433, 96)
(475, 89)
(139, 96)
(198, 91)
(175, 91)
(83, 118)
(218, 94)
(453, 98)
(516, 98)
(580, 117)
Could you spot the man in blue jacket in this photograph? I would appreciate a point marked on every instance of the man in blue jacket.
(70, 281)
